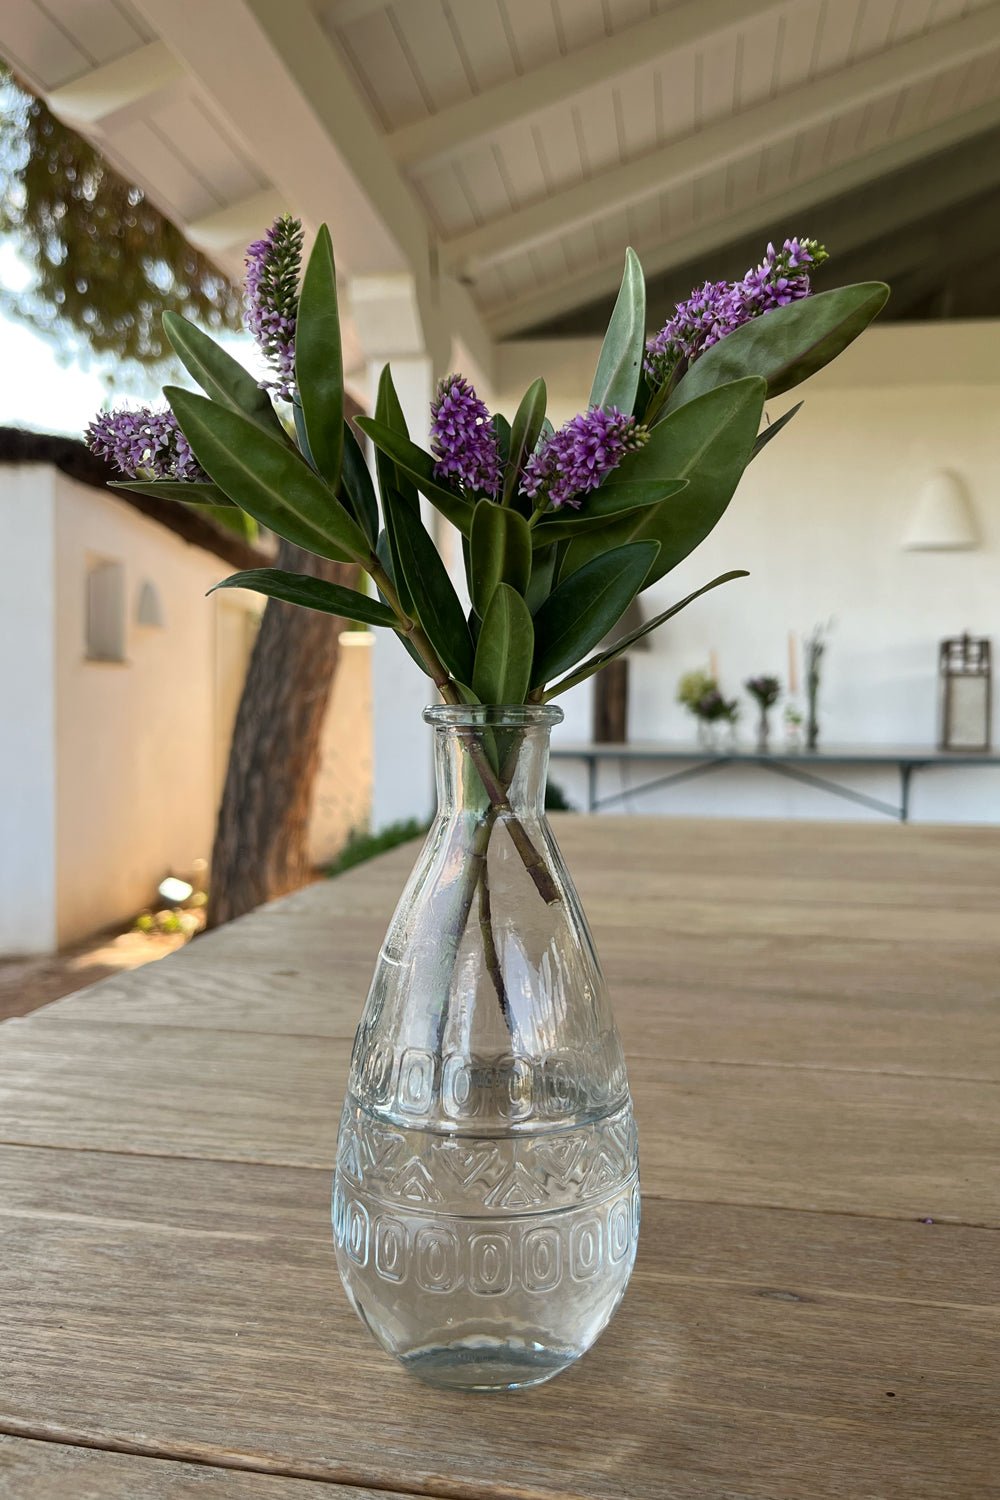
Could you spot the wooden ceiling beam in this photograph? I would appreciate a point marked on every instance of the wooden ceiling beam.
(449, 132)
(767, 215)
(728, 140)
(107, 93)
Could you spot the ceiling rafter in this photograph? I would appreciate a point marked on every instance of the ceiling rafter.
(727, 140)
(103, 96)
(449, 132)
(286, 93)
(763, 214)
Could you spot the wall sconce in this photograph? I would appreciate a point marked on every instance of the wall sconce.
(149, 610)
(942, 520)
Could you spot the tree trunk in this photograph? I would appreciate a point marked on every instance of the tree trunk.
(261, 839)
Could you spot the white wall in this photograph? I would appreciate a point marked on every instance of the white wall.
(110, 772)
(27, 742)
(136, 741)
(818, 521)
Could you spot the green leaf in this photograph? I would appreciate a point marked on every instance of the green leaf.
(585, 606)
(708, 442)
(192, 492)
(787, 345)
(436, 604)
(231, 518)
(319, 373)
(501, 428)
(603, 507)
(502, 673)
(543, 574)
(499, 552)
(311, 593)
(219, 375)
(356, 489)
(383, 552)
(419, 467)
(389, 412)
(619, 366)
(268, 479)
(524, 434)
(773, 428)
(596, 663)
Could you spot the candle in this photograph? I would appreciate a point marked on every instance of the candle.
(793, 667)
(713, 665)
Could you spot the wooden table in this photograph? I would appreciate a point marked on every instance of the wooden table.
(811, 1017)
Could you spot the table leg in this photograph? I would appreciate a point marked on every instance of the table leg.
(905, 775)
(591, 782)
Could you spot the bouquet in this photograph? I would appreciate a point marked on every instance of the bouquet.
(560, 529)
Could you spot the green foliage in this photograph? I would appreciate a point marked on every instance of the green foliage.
(505, 649)
(220, 376)
(267, 478)
(107, 262)
(582, 610)
(361, 846)
(432, 591)
(319, 373)
(597, 663)
(619, 366)
(787, 345)
(311, 593)
(547, 585)
(525, 431)
(499, 552)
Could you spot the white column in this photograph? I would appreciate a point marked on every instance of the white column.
(27, 720)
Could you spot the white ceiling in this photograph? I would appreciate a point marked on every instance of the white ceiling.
(518, 145)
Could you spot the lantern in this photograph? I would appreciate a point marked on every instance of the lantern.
(966, 693)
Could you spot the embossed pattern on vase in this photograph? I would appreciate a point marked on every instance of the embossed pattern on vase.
(486, 1200)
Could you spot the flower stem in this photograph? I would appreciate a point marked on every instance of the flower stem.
(492, 784)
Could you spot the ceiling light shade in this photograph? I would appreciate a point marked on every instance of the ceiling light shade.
(942, 520)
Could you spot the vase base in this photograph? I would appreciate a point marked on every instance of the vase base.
(485, 1365)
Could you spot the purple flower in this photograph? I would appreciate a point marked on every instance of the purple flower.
(580, 455)
(463, 439)
(719, 307)
(271, 291)
(144, 444)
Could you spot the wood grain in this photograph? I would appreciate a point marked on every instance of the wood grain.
(747, 1334)
(812, 1137)
(54, 1471)
(809, 1012)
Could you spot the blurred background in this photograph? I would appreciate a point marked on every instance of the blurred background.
(482, 165)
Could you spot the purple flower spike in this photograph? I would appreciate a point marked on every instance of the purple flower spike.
(578, 457)
(463, 439)
(271, 291)
(719, 307)
(144, 444)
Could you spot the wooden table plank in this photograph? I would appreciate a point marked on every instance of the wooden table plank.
(809, 1013)
(54, 1471)
(906, 1146)
(753, 1355)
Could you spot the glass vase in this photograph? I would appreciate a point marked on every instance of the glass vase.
(486, 1197)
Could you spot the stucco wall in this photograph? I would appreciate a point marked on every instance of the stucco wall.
(27, 744)
(110, 772)
(818, 521)
(136, 741)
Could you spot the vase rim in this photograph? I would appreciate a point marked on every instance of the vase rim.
(493, 715)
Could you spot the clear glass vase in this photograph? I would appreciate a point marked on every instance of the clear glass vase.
(486, 1198)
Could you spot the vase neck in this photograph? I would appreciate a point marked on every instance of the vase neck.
(492, 756)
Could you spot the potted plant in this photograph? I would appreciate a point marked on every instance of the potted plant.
(486, 1200)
